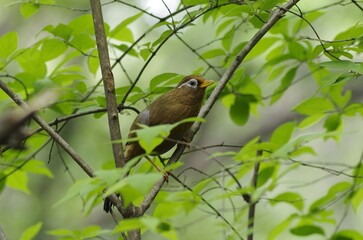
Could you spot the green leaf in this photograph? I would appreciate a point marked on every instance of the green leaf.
(262, 47)
(333, 122)
(93, 62)
(308, 18)
(82, 24)
(52, 48)
(339, 95)
(344, 65)
(306, 230)
(347, 234)
(284, 85)
(240, 110)
(38, 67)
(82, 42)
(151, 137)
(31, 232)
(354, 109)
(145, 53)
(8, 44)
(194, 2)
(62, 31)
(126, 49)
(18, 180)
(121, 32)
(330, 196)
(128, 224)
(228, 38)
(291, 146)
(214, 53)
(277, 230)
(311, 120)
(166, 78)
(38, 167)
(264, 175)
(90, 231)
(60, 232)
(314, 105)
(297, 50)
(357, 199)
(249, 150)
(291, 198)
(28, 9)
(283, 134)
(75, 190)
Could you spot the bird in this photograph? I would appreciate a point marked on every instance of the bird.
(182, 102)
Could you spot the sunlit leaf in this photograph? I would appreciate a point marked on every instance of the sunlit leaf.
(8, 44)
(314, 105)
(31, 232)
(28, 9)
(52, 48)
(279, 228)
(333, 122)
(357, 199)
(282, 134)
(291, 198)
(330, 196)
(18, 180)
(347, 234)
(306, 230)
(213, 53)
(239, 111)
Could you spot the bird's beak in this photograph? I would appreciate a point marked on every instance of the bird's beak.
(206, 83)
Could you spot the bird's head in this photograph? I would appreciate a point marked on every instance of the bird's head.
(194, 83)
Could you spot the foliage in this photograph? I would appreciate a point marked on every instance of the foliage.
(292, 69)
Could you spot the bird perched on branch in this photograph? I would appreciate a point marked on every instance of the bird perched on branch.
(182, 102)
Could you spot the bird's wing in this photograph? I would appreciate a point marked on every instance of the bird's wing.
(143, 117)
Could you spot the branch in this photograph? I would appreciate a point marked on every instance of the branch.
(108, 83)
(72, 153)
(252, 207)
(276, 15)
(2, 234)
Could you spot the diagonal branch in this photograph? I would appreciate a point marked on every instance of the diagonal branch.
(63, 143)
(108, 83)
(275, 16)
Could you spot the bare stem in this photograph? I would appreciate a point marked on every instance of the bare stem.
(108, 83)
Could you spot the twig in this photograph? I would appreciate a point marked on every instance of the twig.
(108, 83)
(252, 207)
(210, 206)
(357, 5)
(2, 234)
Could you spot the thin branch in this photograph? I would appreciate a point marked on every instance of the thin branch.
(357, 5)
(199, 55)
(2, 234)
(214, 95)
(109, 84)
(218, 214)
(252, 207)
(301, 15)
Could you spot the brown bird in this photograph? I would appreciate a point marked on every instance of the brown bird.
(184, 101)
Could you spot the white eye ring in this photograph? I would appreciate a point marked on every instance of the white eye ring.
(193, 83)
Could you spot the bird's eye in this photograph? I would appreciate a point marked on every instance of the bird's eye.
(192, 83)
